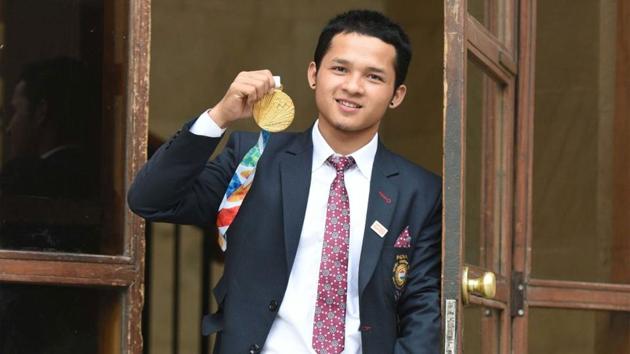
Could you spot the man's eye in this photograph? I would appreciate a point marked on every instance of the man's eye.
(340, 69)
(375, 77)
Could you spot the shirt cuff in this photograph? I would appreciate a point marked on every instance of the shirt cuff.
(206, 126)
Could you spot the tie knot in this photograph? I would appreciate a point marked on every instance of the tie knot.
(341, 163)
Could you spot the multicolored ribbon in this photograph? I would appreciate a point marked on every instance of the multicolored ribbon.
(239, 185)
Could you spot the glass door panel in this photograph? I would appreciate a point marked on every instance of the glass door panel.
(63, 99)
(559, 331)
(580, 218)
(482, 209)
(60, 319)
(482, 328)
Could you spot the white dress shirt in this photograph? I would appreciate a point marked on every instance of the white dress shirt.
(204, 125)
(292, 329)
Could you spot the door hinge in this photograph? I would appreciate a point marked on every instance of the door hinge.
(518, 294)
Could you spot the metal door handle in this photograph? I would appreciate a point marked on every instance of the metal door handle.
(486, 286)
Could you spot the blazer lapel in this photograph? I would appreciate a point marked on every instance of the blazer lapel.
(295, 176)
(381, 205)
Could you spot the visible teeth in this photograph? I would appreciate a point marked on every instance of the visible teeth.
(348, 104)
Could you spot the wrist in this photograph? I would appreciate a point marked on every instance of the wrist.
(217, 116)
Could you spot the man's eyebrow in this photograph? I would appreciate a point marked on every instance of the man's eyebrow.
(341, 61)
(376, 70)
(370, 68)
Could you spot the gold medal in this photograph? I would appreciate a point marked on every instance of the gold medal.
(275, 111)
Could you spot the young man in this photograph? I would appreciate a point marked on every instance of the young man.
(336, 247)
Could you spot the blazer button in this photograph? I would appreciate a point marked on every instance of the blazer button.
(273, 306)
(254, 348)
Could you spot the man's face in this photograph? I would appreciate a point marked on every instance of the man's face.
(22, 128)
(354, 84)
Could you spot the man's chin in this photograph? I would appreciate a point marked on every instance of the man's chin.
(353, 129)
(346, 128)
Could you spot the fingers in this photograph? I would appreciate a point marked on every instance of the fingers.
(247, 88)
(254, 84)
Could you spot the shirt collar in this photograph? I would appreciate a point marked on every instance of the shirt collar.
(364, 157)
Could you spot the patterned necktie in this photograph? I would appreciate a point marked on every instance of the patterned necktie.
(239, 186)
(332, 287)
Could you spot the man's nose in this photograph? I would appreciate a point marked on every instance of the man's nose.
(353, 84)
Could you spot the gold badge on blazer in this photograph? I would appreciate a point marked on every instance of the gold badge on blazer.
(401, 267)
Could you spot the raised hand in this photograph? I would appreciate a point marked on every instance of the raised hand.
(247, 88)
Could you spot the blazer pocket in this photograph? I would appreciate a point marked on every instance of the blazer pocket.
(404, 239)
(214, 322)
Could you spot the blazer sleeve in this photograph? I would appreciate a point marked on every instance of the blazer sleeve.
(419, 305)
(179, 185)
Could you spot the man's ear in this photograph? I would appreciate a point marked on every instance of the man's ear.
(311, 74)
(398, 97)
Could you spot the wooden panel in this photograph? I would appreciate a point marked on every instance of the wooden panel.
(578, 295)
(523, 160)
(619, 323)
(476, 300)
(454, 88)
(64, 257)
(621, 150)
(110, 325)
(136, 150)
(63, 272)
(490, 51)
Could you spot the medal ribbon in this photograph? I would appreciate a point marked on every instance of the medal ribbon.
(239, 185)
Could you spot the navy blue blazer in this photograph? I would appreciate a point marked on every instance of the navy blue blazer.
(398, 286)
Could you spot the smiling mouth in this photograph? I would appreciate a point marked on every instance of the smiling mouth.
(348, 104)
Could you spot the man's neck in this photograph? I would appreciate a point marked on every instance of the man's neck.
(345, 143)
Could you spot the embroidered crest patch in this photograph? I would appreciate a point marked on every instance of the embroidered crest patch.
(400, 271)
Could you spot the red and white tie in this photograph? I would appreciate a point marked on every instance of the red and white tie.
(332, 287)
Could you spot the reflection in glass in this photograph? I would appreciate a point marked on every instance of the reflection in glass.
(47, 160)
(59, 320)
(57, 188)
(560, 331)
(580, 194)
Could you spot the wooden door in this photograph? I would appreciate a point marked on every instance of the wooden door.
(74, 93)
(572, 238)
(535, 176)
(480, 77)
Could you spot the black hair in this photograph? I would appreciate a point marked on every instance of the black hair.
(373, 24)
(66, 87)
